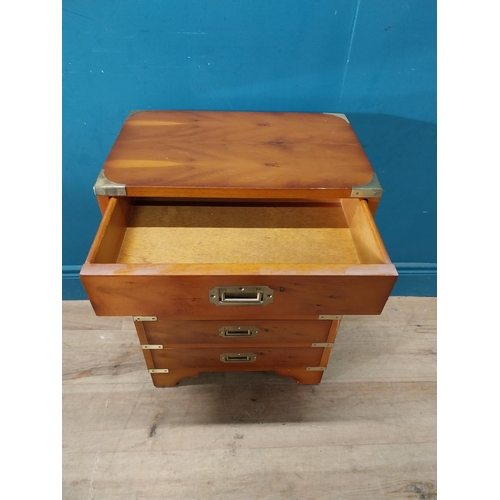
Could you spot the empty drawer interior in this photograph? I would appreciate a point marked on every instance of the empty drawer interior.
(157, 232)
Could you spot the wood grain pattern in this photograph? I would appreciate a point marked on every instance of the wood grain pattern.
(186, 297)
(368, 431)
(192, 347)
(364, 232)
(270, 333)
(109, 237)
(102, 201)
(332, 335)
(267, 358)
(237, 154)
(176, 376)
(143, 340)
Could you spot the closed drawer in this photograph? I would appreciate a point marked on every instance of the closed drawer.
(221, 359)
(236, 333)
(185, 261)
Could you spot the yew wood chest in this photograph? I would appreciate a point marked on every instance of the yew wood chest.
(237, 240)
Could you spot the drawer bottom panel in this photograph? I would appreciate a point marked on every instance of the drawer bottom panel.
(258, 358)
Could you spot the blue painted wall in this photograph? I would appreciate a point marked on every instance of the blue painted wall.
(375, 61)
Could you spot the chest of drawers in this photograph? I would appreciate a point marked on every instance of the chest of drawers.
(236, 240)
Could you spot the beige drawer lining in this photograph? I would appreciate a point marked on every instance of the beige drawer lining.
(203, 245)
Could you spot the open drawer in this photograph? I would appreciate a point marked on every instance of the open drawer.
(212, 260)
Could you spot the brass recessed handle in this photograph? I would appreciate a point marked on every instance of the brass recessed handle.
(237, 298)
(238, 357)
(238, 331)
(241, 295)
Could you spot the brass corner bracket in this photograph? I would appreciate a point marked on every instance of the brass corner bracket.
(105, 187)
(145, 318)
(340, 115)
(372, 189)
(134, 112)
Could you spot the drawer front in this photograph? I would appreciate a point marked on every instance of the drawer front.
(226, 359)
(188, 297)
(235, 333)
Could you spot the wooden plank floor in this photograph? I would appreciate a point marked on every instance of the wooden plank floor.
(368, 431)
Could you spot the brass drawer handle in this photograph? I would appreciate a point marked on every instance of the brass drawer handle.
(248, 298)
(238, 357)
(241, 295)
(238, 331)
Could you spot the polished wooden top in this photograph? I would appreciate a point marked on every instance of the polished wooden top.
(237, 155)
